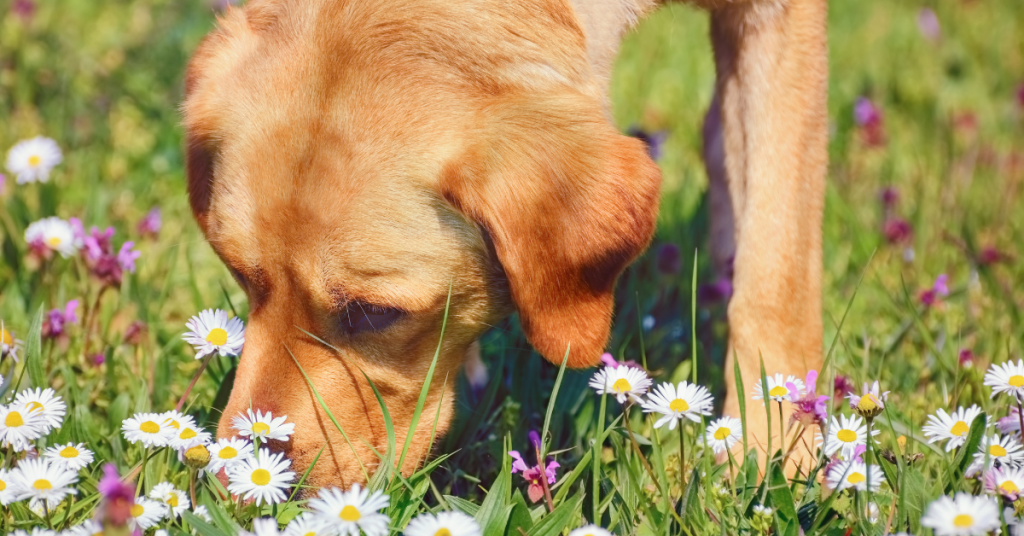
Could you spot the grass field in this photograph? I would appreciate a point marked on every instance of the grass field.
(926, 114)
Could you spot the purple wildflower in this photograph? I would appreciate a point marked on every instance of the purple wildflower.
(868, 117)
(989, 255)
(533, 474)
(57, 320)
(939, 290)
(1020, 95)
(655, 141)
(719, 291)
(897, 230)
(669, 260)
(609, 361)
(126, 257)
(842, 387)
(1010, 424)
(889, 196)
(98, 359)
(24, 9)
(151, 224)
(928, 23)
(966, 358)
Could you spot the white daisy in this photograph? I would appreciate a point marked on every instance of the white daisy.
(45, 402)
(9, 345)
(266, 526)
(8, 487)
(674, 403)
(622, 382)
(1005, 481)
(90, 527)
(1006, 378)
(202, 513)
(228, 452)
(305, 525)
(188, 436)
(953, 427)
(780, 389)
(261, 478)
(854, 474)
(37, 479)
(18, 428)
(176, 419)
(32, 160)
(344, 513)
(147, 428)
(723, 433)
(175, 500)
(1002, 449)
(70, 456)
(845, 434)
(263, 426)
(53, 234)
(963, 515)
(211, 331)
(446, 523)
(146, 513)
(36, 531)
(590, 530)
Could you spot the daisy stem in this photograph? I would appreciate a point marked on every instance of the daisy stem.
(867, 461)
(636, 446)
(596, 460)
(142, 470)
(192, 486)
(782, 433)
(682, 459)
(46, 510)
(202, 368)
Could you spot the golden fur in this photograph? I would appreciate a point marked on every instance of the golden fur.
(344, 154)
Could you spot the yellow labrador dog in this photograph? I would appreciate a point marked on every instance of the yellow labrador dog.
(349, 159)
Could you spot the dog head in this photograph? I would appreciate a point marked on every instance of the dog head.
(355, 164)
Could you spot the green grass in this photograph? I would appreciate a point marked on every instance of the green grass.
(104, 80)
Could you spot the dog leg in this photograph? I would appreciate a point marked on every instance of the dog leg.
(771, 91)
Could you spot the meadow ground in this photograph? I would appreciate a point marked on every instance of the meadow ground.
(922, 287)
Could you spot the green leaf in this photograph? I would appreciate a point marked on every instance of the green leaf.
(965, 455)
(34, 351)
(565, 516)
(202, 527)
(782, 500)
(494, 511)
(462, 505)
(520, 520)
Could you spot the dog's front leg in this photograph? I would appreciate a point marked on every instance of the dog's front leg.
(771, 60)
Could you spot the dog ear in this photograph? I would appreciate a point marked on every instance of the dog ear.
(568, 202)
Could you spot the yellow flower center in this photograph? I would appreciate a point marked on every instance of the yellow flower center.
(3, 485)
(902, 441)
(855, 478)
(6, 337)
(172, 501)
(261, 477)
(621, 385)
(261, 428)
(137, 510)
(1009, 487)
(846, 436)
(53, 241)
(1016, 380)
(778, 391)
(42, 484)
(678, 405)
(310, 533)
(217, 336)
(722, 433)
(443, 531)
(35, 160)
(866, 403)
(187, 433)
(350, 513)
(150, 427)
(960, 428)
(227, 453)
(69, 452)
(173, 424)
(997, 451)
(34, 406)
(963, 521)
(14, 420)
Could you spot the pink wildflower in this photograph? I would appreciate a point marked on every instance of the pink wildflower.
(897, 230)
(533, 474)
(842, 387)
(151, 224)
(609, 361)
(1010, 424)
(966, 358)
(928, 23)
(117, 498)
(810, 407)
(939, 289)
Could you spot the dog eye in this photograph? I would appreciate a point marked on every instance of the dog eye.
(360, 317)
